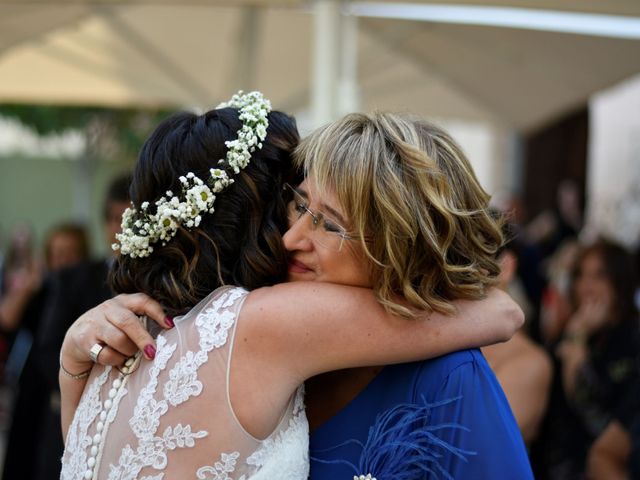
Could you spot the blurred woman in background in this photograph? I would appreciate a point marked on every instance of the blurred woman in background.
(597, 356)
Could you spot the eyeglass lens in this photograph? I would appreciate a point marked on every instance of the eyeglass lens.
(324, 231)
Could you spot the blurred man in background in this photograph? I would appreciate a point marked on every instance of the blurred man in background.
(36, 433)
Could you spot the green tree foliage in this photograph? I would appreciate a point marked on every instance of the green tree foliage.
(126, 128)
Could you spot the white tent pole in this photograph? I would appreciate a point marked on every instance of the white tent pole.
(325, 60)
(348, 92)
(244, 72)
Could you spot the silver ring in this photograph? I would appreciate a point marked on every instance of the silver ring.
(94, 351)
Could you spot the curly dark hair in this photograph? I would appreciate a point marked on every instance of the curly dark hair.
(241, 242)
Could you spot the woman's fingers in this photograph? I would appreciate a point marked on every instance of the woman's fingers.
(119, 340)
(109, 356)
(116, 325)
(142, 304)
(123, 331)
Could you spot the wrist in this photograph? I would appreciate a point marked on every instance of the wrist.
(71, 366)
(76, 374)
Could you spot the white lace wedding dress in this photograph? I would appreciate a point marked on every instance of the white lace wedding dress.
(172, 418)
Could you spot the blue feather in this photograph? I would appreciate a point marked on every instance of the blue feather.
(402, 445)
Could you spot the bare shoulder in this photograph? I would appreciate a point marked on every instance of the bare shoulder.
(292, 301)
(287, 329)
(520, 356)
(286, 313)
(305, 291)
(531, 359)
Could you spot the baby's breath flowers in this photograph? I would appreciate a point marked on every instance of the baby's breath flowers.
(254, 109)
(142, 228)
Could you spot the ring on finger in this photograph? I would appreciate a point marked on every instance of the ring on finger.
(94, 351)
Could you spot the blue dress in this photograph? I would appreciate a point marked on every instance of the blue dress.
(445, 418)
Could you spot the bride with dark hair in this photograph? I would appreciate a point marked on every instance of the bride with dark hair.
(222, 397)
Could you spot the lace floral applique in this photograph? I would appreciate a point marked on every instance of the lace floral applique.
(285, 455)
(213, 325)
(220, 469)
(78, 439)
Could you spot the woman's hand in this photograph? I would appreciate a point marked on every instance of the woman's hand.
(590, 317)
(573, 350)
(115, 324)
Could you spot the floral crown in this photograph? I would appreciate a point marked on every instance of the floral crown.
(141, 229)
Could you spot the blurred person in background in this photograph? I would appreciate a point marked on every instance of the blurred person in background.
(552, 232)
(35, 431)
(66, 244)
(597, 359)
(615, 455)
(556, 308)
(553, 227)
(523, 368)
(22, 305)
(21, 278)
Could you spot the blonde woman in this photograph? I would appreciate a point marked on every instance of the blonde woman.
(413, 205)
(221, 398)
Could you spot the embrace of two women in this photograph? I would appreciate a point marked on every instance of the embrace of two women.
(320, 305)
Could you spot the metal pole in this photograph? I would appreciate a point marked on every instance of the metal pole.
(325, 60)
(244, 71)
(348, 92)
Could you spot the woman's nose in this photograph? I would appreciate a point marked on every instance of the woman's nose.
(297, 237)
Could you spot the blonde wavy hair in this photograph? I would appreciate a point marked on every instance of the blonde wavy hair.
(415, 205)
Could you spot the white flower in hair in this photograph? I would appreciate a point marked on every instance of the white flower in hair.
(254, 109)
(141, 229)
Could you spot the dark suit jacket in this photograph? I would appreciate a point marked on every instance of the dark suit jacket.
(35, 441)
(74, 291)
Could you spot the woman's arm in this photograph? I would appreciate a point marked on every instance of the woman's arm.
(320, 327)
(609, 455)
(114, 323)
(317, 327)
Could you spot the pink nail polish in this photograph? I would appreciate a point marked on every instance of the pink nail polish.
(150, 351)
(169, 321)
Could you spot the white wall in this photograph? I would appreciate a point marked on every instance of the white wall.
(613, 175)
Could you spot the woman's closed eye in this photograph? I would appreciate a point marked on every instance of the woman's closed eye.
(331, 227)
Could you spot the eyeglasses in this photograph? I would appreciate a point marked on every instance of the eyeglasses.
(331, 235)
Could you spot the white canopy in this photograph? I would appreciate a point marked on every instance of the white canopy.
(197, 53)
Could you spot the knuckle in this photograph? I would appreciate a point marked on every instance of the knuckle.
(117, 338)
(125, 320)
(108, 304)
